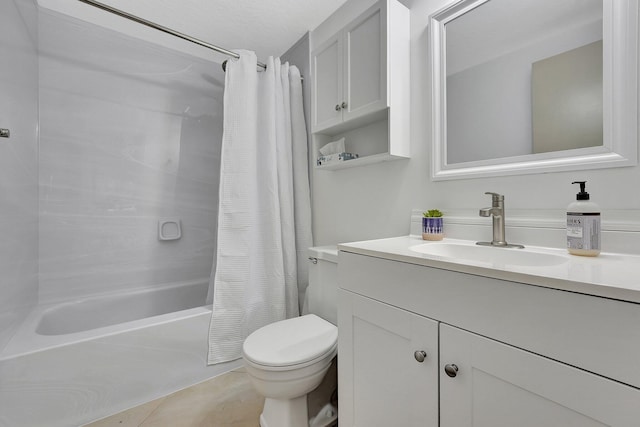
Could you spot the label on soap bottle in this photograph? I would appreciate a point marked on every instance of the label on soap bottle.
(583, 230)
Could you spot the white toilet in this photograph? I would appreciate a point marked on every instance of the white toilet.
(286, 360)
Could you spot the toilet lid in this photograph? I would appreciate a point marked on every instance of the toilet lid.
(291, 342)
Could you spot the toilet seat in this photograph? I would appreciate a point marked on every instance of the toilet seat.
(291, 344)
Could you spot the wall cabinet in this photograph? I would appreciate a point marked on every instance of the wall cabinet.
(474, 374)
(360, 75)
(327, 63)
(350, 76)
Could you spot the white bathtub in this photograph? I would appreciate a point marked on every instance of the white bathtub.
(79, 361)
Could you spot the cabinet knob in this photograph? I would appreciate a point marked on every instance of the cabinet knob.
(420, 355)
(344, 105)
(451, 370)
(338, 108)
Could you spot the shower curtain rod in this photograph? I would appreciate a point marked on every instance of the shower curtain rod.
(164, 29)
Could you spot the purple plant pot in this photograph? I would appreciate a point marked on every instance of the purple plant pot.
(432, 228)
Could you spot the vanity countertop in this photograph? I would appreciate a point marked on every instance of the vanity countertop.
(609, 275)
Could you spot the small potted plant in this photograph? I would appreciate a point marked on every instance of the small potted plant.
(432, 225)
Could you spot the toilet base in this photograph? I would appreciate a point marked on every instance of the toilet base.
(285, 412)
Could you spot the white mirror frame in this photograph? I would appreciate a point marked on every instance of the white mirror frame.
(620, 103)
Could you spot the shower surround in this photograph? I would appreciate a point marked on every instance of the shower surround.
(129, 134)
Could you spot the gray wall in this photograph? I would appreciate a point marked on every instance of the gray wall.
(298, 55)
(18, 163)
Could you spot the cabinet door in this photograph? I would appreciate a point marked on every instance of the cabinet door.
(381, 382)
(497, 385)
(366, 63)
(327, 84)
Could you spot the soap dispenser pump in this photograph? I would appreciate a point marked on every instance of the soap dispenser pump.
(583, 225)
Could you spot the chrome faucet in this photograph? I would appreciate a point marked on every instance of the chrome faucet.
(497, 212)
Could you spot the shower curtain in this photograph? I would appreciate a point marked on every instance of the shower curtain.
(264, 216)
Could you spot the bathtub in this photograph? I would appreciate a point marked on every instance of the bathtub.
(75, 362)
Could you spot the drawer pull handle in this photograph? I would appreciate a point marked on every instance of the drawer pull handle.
(451, 370)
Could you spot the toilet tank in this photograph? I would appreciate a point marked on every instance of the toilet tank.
(323, 283)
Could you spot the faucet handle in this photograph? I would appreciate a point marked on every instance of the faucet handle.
(496, 199)
(495, 196)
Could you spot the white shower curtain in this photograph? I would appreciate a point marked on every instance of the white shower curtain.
(264, 216)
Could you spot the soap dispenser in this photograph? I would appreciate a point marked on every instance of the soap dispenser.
(583, 225)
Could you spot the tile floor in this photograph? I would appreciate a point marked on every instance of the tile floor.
(224, 401)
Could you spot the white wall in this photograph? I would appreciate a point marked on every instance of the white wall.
(18, 163)
(376, 201)
(130, 133)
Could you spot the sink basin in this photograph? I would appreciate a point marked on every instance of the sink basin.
(468, 252)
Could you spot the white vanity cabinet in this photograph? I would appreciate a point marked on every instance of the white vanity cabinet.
(508, 353)
(390, 357)
(360, 76)
(494, 384)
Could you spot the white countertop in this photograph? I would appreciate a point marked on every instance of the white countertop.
(608, 275)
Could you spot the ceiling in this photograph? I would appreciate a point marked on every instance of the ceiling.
(268, 27)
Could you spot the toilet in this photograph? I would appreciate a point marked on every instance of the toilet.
(288, 359)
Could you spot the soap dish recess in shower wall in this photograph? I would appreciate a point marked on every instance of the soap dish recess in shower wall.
(169, 229)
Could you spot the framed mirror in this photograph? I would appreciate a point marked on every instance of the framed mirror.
(533, 86)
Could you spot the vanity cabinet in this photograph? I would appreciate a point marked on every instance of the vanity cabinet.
(499, 385)
(360, 76)
(390, 357)
(507, 353)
